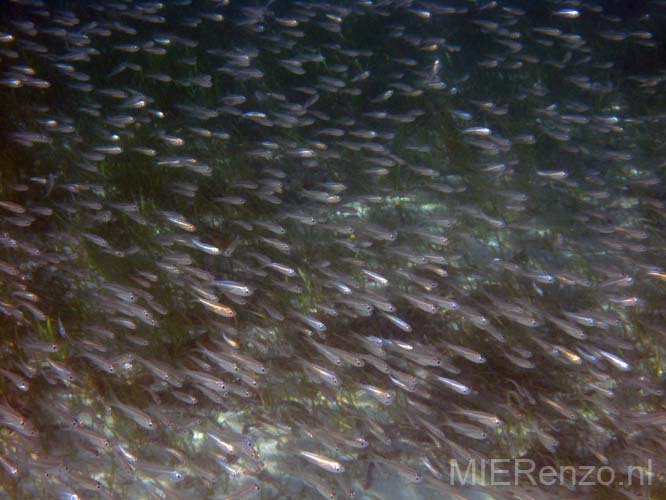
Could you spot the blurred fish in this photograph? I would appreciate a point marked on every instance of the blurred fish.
(387, 232)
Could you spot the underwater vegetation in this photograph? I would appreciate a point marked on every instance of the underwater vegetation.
(300, 250)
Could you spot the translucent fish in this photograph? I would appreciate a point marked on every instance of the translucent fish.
(322, 462)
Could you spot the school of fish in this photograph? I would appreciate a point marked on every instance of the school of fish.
(295, 249)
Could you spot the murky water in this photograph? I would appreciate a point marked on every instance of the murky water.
(374, 250)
